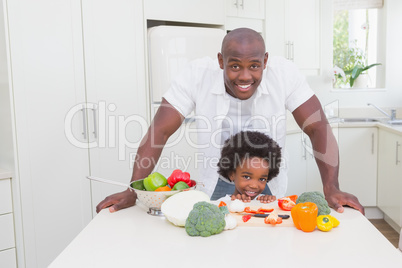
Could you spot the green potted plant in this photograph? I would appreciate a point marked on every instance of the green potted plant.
(350, 63)
(357, 70)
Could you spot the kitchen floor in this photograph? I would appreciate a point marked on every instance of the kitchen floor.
(387, 231)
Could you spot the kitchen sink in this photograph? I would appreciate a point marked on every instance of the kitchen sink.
(397, 122)
(359, 119)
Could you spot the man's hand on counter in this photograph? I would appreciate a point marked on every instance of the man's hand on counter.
(118, 201)
(337, 199)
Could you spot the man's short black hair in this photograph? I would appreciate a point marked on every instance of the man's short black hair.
(248, 144)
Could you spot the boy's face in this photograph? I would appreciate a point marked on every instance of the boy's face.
(243, 65)
(251, 176)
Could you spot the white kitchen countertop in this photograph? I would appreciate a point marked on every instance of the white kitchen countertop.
(5, 174)
(396, 129)
(292, 127)
(132, 238)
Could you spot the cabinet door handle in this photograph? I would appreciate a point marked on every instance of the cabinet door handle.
(84, 121)
(95, 132)
(242, 4)
(372, 143)
(287, 50)
(237, 3)
(397, 153)
(292, 52)
(304, 149)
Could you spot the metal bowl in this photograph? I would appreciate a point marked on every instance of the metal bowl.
(153, 200)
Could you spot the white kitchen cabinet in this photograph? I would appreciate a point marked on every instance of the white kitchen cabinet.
(358, 151)
(47, 80)
(7, 230)
(8, 258)
(358, 163)
(303, 173)
(252, 9)
(115, 87)
(6, 201)
(245, 13)
(296, 163)
(77, 68)
(204, 12)
(390, 176)
(292, 30)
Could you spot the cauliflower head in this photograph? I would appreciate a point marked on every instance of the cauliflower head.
(317, 198)
(205, 219)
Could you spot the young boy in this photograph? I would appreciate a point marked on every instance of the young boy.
(250, 159)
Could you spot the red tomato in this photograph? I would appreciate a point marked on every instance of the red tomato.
(287, 203)
(222, 204)
(263, 210)
(245, 218)
(249, 210)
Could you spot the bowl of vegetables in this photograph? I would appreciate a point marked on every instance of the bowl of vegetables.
(153, 196)
(155, 189)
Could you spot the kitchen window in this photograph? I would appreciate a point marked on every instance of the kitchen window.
(358, 57)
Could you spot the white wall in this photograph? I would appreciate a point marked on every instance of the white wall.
(391, 96)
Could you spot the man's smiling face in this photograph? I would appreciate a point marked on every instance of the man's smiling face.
(243, 61)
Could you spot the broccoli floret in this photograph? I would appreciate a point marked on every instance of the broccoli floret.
(205, 220)
(224, 209)
(317, 198)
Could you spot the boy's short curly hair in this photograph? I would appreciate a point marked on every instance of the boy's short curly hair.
(248, 144)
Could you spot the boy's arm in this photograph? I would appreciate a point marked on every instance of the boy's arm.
(166, 121)
(311, 119)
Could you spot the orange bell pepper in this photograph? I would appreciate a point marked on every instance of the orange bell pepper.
(304, 216)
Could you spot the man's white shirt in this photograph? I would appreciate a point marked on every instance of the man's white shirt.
(200, 88)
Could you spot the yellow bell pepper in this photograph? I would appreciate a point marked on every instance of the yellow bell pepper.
(325, 223)
(334, 220)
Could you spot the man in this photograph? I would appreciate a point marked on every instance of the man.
(241, 93)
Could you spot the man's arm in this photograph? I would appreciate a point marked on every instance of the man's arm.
(166, 121)
(311, 119)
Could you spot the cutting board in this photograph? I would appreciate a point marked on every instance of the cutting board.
(259, 222)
